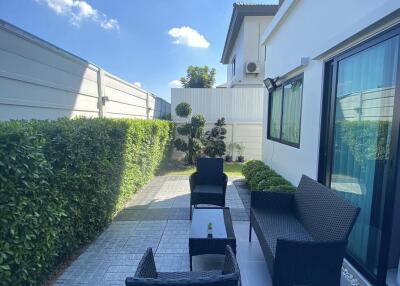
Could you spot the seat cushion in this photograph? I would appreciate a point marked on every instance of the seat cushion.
(208, 189)
(279, 224)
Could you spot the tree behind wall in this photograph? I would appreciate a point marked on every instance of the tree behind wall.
(199, 77)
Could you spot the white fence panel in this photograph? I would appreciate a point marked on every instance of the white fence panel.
(39, 80)
(241, 107)
(235, 104)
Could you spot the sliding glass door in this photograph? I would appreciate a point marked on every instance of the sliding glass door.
(362, 91)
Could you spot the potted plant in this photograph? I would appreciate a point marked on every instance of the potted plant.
(240, 149)
(209, 229)
(229, 151)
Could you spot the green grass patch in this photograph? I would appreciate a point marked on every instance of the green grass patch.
(175, 169)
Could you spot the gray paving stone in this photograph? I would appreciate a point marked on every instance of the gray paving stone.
(157, 217)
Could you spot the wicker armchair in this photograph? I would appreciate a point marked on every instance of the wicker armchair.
(147, 275)
(303, 234)
(208, 183)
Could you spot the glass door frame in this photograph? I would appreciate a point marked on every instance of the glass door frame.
(327, 144)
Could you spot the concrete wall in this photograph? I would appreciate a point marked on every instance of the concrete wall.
(39, 80)
(310, 29)
(241, 107)
(248, 48)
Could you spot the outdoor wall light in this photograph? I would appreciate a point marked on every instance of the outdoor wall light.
(270, 83)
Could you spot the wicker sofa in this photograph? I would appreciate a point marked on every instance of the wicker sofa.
(147, 275)
(303, 235)
(208, 184)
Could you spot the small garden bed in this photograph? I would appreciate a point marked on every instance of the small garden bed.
(260, 177)
(178, 169)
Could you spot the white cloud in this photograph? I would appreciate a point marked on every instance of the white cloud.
(78, 11)
(188, 37)
(137, 84)
(175, 84)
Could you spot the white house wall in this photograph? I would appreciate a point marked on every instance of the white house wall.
(312, 27)
(238, 55)
(309, 29)
(247, 48)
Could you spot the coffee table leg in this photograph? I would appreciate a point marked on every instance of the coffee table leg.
(191, 267)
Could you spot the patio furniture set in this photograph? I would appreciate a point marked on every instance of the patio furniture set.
(303, 235)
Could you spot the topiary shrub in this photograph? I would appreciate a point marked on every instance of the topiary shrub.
(193, 130)
(271, 181)
(214, 144)
(183, 109)
(254, 171)
(249, 166)
(260, 177)
(61, 183)
(282, 188)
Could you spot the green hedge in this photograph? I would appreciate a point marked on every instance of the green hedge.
(61, 183)
(260, 177)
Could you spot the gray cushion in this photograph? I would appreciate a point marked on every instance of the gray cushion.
(210, 189)
(276, 224)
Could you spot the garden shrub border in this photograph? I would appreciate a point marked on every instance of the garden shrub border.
(62, 182)
(260, 177)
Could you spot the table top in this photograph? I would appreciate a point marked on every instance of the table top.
(221, 223)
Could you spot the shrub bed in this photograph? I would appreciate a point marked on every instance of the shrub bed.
(61, 183)
(260, 177)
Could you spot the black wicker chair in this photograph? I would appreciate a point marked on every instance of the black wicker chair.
(208, 183)
(147, 275)
(303, 235)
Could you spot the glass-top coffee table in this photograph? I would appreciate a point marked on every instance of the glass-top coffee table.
(222, 232)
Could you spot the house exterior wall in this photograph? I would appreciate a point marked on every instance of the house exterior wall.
(311, 26)
(248, 48)
(41, 81)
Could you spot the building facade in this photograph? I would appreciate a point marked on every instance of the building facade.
(243, 53)
(332, 113)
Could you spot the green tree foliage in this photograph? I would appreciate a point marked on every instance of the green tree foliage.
(193, 130)
(199, 77)
(61, 183)
(214, 144)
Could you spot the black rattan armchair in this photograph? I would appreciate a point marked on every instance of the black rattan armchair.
(303, 234)
(147, 275)
(208, 183)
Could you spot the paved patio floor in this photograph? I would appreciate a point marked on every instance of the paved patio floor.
(158, 217)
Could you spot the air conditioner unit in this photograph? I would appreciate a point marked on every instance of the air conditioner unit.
(253, 67)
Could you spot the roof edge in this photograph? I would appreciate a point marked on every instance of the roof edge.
(239, 12)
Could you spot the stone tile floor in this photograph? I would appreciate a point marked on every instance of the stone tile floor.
(158, 217)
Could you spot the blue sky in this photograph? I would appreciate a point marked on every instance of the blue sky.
(147, 41)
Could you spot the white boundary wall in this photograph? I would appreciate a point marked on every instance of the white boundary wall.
(39, 80)
(241, 107)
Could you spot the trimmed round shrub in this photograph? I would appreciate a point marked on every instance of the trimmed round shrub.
(198, 121)
(253, 172)
(282, 188)
(259, 176)
(183, 109)
(271, 181)
(249, 166)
